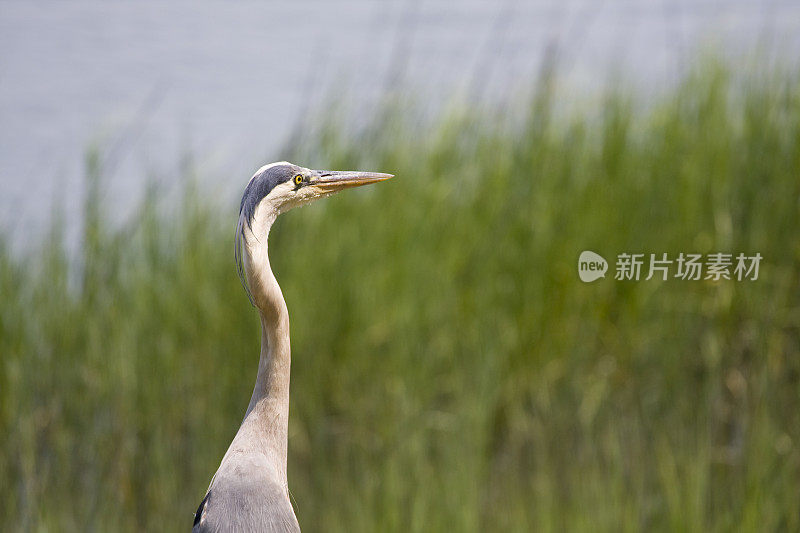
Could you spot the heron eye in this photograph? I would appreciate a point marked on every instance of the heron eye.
(298, 179)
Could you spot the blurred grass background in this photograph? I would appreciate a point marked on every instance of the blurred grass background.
(450, 371)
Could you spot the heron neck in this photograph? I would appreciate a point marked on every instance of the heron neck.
(272, 381)
(268, 411)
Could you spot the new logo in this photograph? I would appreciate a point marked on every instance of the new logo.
(591, 266)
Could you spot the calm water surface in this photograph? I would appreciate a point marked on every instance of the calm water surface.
(148, 82)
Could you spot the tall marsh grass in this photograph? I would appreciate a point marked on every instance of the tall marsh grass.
(450, 371)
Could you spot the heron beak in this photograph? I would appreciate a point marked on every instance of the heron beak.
(336, 180)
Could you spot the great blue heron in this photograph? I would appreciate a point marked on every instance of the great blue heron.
(249, 491)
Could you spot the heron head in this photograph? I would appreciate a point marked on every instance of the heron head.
(278, 187)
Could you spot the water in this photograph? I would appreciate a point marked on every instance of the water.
(148, 82)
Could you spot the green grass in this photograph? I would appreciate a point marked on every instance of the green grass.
(450, 371)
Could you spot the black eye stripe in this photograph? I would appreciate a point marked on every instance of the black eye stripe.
(260, 186)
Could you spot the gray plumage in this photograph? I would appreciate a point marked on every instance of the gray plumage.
(249, 491)
(245, 500)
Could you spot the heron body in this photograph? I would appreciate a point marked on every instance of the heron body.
(249, 491)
